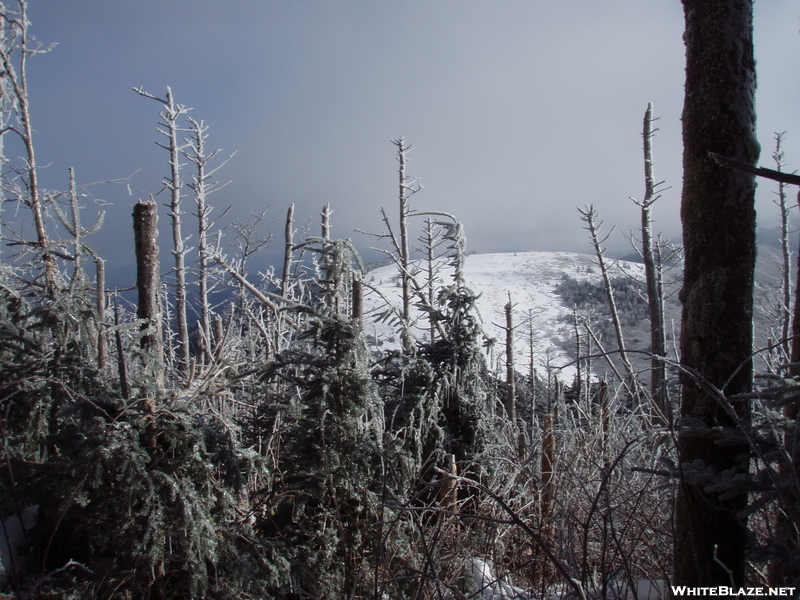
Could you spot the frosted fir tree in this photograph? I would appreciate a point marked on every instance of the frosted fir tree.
(324, 505)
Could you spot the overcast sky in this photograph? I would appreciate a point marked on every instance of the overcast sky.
(518, 110)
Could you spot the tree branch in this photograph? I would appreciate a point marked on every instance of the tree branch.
(743, 167)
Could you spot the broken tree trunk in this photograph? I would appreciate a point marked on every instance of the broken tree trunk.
(148, 283)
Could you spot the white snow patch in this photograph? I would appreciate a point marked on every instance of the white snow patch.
(530, 277)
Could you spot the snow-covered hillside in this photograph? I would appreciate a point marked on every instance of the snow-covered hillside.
(530, 278)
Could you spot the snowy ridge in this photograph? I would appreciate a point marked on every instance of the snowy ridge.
(530, 278)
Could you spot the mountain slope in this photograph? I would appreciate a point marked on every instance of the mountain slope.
(531, 278)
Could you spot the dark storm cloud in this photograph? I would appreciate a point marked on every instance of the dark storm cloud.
(518, 111)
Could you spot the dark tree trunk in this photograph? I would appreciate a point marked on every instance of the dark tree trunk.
(121, 366)
(358, 301)
(718, 217)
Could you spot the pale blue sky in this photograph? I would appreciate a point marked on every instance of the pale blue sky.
(519, 110)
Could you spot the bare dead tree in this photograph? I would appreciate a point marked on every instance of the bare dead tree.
(202, 186)
(219, 337)
(579, 354)
(15, 50)
(169, 122)
(71, 221)
(249, 240)
(288, 253)
(402, 151)
(288, 250)
(531, 349)
(605, 420)
(148, 283)
(653, 277)
(407, 187)
(785, 308)
(400, 252)
(791, 179)
(589, 216)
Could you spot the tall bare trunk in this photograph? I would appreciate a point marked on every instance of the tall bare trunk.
(785, 309)
(198, 185)
(783, 568)
(173, 183)
(404, 246)
(201, 184)
(652, 270)
(288, 252)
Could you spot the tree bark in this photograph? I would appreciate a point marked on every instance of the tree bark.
(718, 217)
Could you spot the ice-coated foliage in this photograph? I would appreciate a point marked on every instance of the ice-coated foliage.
(322, 507)
(125, 488)
(459, 365)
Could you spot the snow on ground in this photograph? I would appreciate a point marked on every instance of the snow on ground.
(530, 278)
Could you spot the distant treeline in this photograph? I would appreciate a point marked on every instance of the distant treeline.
(629, 295)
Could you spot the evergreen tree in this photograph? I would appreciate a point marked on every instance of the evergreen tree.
(323, 508)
